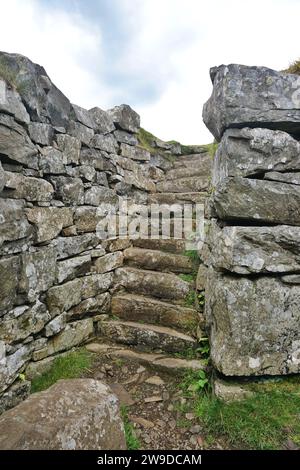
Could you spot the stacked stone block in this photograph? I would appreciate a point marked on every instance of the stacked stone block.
(252, 247)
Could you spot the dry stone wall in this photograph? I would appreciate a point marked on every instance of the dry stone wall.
(62, 169)
(252, 246)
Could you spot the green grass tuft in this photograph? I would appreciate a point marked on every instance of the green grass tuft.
(211, 148)
(146, 140)
(294, 67)
(132, 441)
(67, 367)
(188, 277)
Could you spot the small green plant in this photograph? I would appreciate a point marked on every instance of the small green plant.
(190, 299)
(201, 299)
(194, 382)
(204, 349)
(188, 277)
(193, 255)
(132, 441)
(22, 377)
(67, 367)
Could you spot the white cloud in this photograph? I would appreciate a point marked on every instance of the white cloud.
(171, 42)
(61, 42)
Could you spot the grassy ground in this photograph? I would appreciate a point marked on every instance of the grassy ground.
(67, 367)
(132, 441)
(267, 420)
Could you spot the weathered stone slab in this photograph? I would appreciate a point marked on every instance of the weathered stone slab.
(148, 337)
(17, 393)
(23, 321)
(87, 218)
(13, 222)
(246, 250)
(43, 101)
(124, 117)
(107, 143)
(74, 334)
(125, 138)
(52, 161)
(11, 103)
(135, 153)
(258, 96)
(56, 325)
(11, 365)
(32, 189)
(49, 221)
(158, 260)
(2, 178)
(254, 325)
(96, 284)
(99, 304)
(109, 262)
(184, 185)
(292, 178)
(93, 158)
(70, 146)
(61, 298)
(38, 272)
(257, 200)
(161, 285)
(69, 190)
(41, 133)
(44, 421)
(102, 120)
(15, 144)
(73, 267)
(85, 172)
(248, 152)
(70, 246)
(148, 310)
(9, 275)
(96, 196)
(81, 132)
(82, 115)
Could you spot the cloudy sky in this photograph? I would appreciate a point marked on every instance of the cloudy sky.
(152, 54)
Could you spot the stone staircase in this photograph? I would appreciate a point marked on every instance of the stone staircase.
(154, 320)
(150, 319)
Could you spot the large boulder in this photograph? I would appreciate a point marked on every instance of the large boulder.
(255, 96)
(249, 152)
(81, 414)
(253, 324)
(43, 101)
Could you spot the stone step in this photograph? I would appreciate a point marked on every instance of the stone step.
(156, 362)
(146, 337)
(194, 159)
(200, 166)
(177, 198)
(181, 185)
(170, 245)
(131, 307)
(158, 260)
(152, 283)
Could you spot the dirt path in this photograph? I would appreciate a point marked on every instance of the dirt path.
(156, 405)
